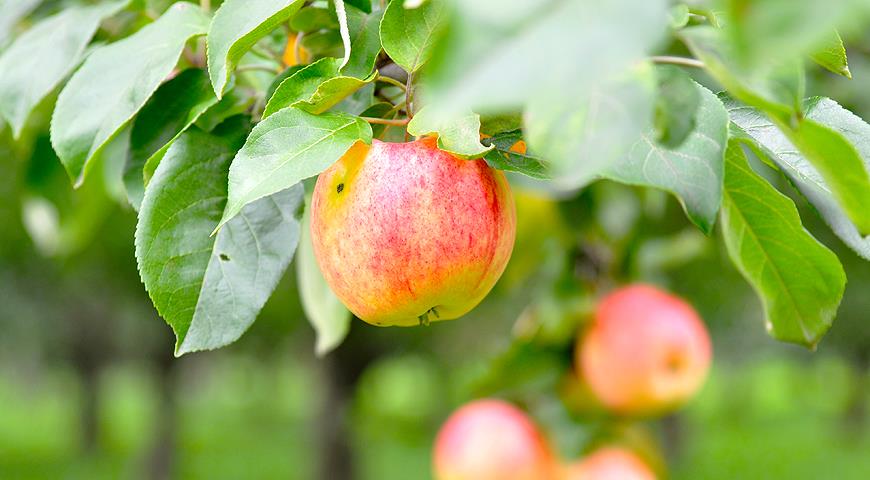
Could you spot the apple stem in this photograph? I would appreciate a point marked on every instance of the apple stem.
(399, 122)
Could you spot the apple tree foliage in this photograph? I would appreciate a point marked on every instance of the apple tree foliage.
(210, 120)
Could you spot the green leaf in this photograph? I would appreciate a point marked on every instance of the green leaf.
(43, 56)
(315, 88)
(11, 12)
(408, 36)
(676, 104)
(114, 82)
(313, 18)
(838, 126)
(365, 42)
(582, 134)
(236, 27)
(458, 135)
(777, 87)
(329, 317)
(505, 157)
(286, 148)
(173, 108)
(761, 30)
(210, 289)
(800, 282)
(494, 58)
(692, 171)
(832, 55)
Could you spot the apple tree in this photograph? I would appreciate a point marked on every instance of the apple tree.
(213, 122)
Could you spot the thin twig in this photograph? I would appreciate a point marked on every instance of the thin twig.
(684, 61)
(409, 94)
(393, 82)
(400, 122)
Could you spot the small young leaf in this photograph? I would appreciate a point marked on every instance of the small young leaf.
(457, 135)
(832, 55)
(237, 26)
(114, 82)
(582, 134)
(44, 55)
(800, 282)
(771, 143)
(329, 317)
(286, 148)
(509, 154)
(408, 36)
(210, 289)
(315, 88)
(174, 107)
(692, 171)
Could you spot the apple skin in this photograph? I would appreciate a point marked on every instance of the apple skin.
(609, 463)
(646, 351)
(405, 233)
(492, 440)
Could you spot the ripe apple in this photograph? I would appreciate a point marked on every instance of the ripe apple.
(609, 463)
(405, 233)
(492, 440)
(645, 352)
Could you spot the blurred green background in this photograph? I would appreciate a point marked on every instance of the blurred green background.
(89, 388)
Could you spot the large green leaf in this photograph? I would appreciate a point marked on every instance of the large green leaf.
(582, 134)
(288, 147)
(692, 171)
(209, 289)
(776, 87)
(408, 35)
(114, 82)
(773, 144)
(315, 88)
(459, 135)
(175, 106)
(44, 55)
(365, 42)
(800, 282)
(329, 317)
(495, 58)
(237, 26)
(11, 12)
(675, 106)
(761, 30)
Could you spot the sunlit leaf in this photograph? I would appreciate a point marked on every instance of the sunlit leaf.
(114, 82)
(286, 148)
(44, 55)
(237, 26)
(800, 282)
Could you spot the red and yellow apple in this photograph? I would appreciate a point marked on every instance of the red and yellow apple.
(405, 233)
(492, 440)
(645, 351)
(609, 463)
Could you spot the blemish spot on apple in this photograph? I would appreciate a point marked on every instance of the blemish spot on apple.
(224, 257)
(339, 188)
